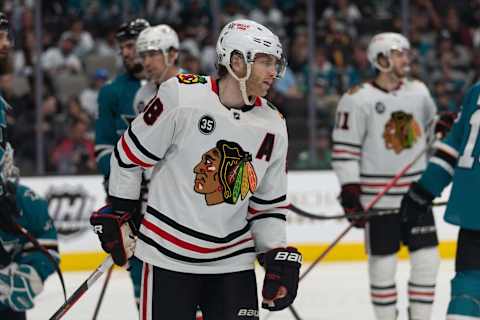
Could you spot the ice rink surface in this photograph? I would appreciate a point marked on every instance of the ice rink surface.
(333, 291)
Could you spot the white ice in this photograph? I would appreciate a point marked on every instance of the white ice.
(333, 291)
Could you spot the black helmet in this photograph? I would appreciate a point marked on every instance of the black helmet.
(4, 24)
(131, 29)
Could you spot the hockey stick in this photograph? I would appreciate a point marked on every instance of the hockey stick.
(356, 215)
(102, 293)
(107, 263)
(369, 206)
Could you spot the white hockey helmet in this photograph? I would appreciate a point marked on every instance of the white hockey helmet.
(248, 38)
(157, 38)
(384, 43)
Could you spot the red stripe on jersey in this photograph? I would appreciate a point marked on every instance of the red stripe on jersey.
(384, 295)
(186, 245)
(255, 211)
(145, 291)
(418, 293)
(214, 84)
(338, 151)
(382, 185)
(258, 102)
(132, 157)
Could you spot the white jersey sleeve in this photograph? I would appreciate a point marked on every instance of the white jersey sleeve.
(144, 143)
(430, 113)
(268, 206)
(350, 129)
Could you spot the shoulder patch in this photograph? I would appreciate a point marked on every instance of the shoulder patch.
(355, 88)
(187, 78)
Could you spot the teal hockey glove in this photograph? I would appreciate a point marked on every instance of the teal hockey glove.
(19, 284)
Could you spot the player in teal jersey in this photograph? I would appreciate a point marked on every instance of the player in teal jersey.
(23, 268)
(456, 160)
(115, 111)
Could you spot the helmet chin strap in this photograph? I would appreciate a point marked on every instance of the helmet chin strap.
(243, 83)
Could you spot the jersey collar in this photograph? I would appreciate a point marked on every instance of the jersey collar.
(375, 85)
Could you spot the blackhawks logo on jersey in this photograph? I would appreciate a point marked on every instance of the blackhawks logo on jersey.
(225, 174)
(187, 78)
(401, 132)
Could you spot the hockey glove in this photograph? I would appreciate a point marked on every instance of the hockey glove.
(282, 269)
(445, 123)
(19, 284)
(350, 201)
(416, 203)
(114, 229)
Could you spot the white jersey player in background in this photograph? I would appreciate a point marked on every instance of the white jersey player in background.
(157, 47)
(381, 126)
(217, 197)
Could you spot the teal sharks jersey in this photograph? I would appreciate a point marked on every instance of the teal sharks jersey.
(115, 112)
(457, 160)
(35, 219)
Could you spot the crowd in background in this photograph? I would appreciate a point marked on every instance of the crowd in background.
(80, 55)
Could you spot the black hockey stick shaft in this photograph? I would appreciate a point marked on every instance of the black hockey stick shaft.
(106, 264)
(356, 215)
(102, 293)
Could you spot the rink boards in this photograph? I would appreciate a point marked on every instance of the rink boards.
(73, 198)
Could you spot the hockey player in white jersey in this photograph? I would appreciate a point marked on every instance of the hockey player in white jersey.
(381, 126)
(158, 48)
(217, 197)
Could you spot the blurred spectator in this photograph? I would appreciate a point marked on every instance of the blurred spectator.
(24, 56)
(62, 59)
(190, 63)
(287, 86)
(323, 70)
(269, 15)
(443, 97)
(163, 11)
(88, 97)
(83, 39)
(231, 11)
(456, 55)
(346, 13)
(359, 70)
(75, 153)
(459, 33)
(107, 47)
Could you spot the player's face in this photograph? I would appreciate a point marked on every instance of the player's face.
(5, 44)
(264, 69)
(128, 53)
(401, 62)
(153, 64)
(206, 173)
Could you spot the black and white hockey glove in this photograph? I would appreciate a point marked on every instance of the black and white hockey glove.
(282, 270)
(415, 204)
(350, 201)
(115, 231)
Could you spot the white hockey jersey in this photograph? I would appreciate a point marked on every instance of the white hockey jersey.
(377, 133)
(218, 189)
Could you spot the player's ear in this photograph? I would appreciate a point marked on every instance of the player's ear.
(238, 65)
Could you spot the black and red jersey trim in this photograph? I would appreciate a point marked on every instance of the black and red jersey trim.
(194, 233)
(119, 160)
(180, 257)
(273, 201)
(140, 147)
